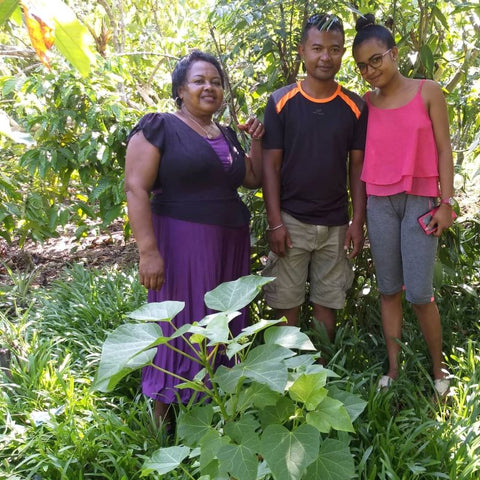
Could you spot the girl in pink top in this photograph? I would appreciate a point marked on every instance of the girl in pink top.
(408, 166)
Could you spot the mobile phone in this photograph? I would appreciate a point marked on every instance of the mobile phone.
(425, 219)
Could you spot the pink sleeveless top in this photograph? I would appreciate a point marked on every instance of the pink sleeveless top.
(400, 152)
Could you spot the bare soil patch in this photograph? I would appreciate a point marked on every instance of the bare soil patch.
(48, 259)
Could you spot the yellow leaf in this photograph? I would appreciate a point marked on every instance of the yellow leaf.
(41, 32)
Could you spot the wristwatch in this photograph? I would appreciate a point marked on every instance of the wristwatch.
(448, 201)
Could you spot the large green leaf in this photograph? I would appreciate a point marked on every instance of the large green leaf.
(227, 378)
(256, 327)
(72, 38)
(309, 390)
(427, 58)
(354, 404)
(256, 395)
(288, 337)
(165, 460)
(7, 7)
(239, 461)
(330, 414)
(244, 431)
(127, 348)
(194, 424)
(210, 444)
(217, 330)
(157, 311)
(334, 462)
(235, 295)
(267, 353)
(288, 454)
(278, 414)
(264, 365)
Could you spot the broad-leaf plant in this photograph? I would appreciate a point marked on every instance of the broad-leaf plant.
(271, 415)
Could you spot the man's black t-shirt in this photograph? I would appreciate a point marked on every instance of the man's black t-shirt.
(316, 136)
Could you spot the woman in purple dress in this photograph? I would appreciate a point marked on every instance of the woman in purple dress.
(192, 230)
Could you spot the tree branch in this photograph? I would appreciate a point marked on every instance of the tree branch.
(228, 85)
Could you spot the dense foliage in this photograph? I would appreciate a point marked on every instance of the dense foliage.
(63, 130)
(54, 426)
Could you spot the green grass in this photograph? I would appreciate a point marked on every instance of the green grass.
(53, 426)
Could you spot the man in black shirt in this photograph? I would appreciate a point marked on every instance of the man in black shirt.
(314, 140)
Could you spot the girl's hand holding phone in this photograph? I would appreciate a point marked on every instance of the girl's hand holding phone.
(436, 220)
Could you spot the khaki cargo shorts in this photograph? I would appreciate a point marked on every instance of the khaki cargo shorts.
(317, 256)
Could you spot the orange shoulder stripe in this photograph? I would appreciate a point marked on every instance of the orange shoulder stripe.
(281, 103)
(350, 103)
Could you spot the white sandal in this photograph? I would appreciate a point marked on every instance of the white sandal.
(384, 382)
(442, 386)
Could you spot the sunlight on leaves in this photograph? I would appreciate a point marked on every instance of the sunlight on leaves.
(157, 311)
(330, 414)
(289, 337)
(15, 134)
(127, 348)
(72, 38)
(237, 294)
(165, 460)
(309, 390)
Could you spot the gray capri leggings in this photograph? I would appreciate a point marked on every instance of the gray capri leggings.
(403, 254)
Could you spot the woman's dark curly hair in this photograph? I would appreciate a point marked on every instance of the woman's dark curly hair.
(180, 71)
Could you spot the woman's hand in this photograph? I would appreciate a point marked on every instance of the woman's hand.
(253, 161)
(442, 220)
(151, 270)
(254, 127)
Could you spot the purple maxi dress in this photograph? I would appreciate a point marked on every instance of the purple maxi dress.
(202, 233)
